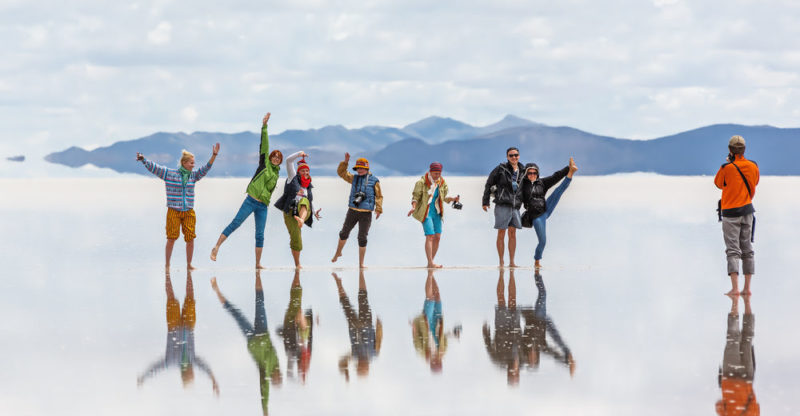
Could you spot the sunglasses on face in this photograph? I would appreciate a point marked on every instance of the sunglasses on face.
(514, 155)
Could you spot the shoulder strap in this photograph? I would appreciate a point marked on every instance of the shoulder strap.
(747, 185)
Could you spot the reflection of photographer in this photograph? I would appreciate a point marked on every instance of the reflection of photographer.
(738, 179)
(427, 207)
(365, 197)
(737, 372)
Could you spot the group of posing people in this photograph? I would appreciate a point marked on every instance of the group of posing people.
(513, 185)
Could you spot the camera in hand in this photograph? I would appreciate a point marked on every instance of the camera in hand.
(358, 198)
(457, 205)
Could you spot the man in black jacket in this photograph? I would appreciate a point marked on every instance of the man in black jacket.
(504, 182)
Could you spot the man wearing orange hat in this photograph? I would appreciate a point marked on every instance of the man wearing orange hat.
(365, 197)
(427, 206)
(738, 179)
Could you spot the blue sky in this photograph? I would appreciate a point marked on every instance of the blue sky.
(90, 73)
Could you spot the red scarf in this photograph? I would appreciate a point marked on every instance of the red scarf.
(305, 182)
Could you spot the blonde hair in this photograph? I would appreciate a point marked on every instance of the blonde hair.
(186, 156)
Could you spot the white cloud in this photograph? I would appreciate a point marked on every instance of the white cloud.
(189, 114)
(646, 69)
(161, 35)
(37, 36)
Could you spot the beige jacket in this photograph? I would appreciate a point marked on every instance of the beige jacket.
(423, 193)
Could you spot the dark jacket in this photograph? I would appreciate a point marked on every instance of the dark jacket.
(533, 193)
(287, 204)
(501, 179)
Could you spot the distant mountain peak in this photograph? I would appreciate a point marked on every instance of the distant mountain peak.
(435, 121)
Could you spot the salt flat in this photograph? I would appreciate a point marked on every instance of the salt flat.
(634, 275)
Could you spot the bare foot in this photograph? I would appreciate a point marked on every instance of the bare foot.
(572, 168)
(746, 292)
(361, 266)
(214, 252)
(512, 265)
(299, 221)
(537, 265)
(434, 266)
(297, 266)
(190, 267)
(260, 267)
(732, 293)
(336, 256)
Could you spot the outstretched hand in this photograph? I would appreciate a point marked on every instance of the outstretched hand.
(215, 149)
(347, 157)
(139, 156)
(316, 214)
(265, 120)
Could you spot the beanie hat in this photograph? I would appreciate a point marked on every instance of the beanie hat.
(436, 167)
(361, 163)
(302, 165)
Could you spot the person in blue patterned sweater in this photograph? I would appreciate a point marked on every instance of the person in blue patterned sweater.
(180, 199)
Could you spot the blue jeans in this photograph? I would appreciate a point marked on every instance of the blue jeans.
(259, 211)
(539, 224)
(260, 323)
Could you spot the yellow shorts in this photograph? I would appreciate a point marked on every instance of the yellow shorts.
(178, 221)
(177, 317)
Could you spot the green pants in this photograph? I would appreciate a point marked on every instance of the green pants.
(295, 236)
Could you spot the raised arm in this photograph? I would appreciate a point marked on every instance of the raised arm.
(203, 171)
(154, 369)
(153, 167)
(204, 366)
(291, 172)
(263, 150)
(342, 169)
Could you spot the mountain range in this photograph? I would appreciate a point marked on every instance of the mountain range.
(463, 149)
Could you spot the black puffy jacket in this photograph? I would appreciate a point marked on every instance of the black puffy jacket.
(501, 180)
(286, 202)
(533, 193)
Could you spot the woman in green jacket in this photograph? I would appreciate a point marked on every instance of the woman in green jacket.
(259, 192)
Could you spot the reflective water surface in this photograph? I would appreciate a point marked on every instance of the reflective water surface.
(627, 317)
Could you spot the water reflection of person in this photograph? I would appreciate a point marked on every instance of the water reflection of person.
(427, 329)
(538, 325)
(180, 339)
(297, 331)
(365, 338)
(259, 343)
(504, 349)
(738, 364)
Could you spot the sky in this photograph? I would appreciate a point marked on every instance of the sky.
(90, 73)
